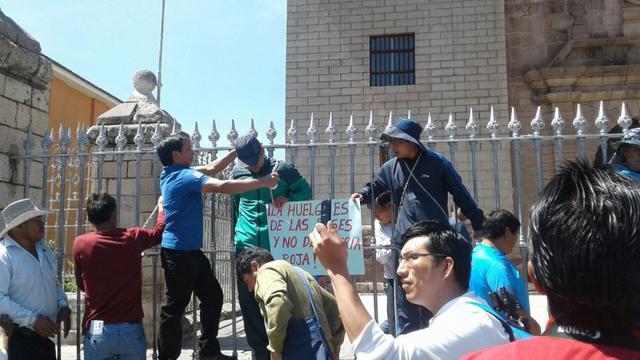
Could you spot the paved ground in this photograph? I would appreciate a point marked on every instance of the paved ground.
(538, 308)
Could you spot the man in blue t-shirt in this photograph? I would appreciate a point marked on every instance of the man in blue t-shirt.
(186, 268)
(490, 267)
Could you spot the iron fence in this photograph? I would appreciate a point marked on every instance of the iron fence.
(65, 172)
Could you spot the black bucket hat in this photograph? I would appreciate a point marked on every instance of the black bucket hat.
(405, 129)
(631, 137)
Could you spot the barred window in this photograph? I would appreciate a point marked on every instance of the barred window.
(392, 60)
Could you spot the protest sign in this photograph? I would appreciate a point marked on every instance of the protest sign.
(290, 226)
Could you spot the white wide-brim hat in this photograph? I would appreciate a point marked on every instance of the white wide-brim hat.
(18, 212)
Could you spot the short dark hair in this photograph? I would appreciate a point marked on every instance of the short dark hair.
(384, 198)
(166, 148)
(100, 207)
(442, 239)
(585, 245)
(246, 256)
(497, 222)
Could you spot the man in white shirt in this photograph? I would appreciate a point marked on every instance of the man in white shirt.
(386, 256)
(30, 292)
(435, 265)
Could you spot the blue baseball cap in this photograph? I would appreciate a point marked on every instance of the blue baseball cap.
(407, 130)
(248, 150)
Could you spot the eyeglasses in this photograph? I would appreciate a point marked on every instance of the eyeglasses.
(410, 257)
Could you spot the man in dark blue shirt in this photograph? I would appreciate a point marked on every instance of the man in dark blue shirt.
(420, 181)
(186, 268)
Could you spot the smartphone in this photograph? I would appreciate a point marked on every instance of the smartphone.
(325, 211)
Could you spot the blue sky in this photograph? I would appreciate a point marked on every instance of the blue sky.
(222, 59)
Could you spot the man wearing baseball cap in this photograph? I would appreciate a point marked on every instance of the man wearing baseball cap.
(251, 221)
(627, 157)
(420, 181)
(30, 292)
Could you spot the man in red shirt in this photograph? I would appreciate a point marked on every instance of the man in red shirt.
(108, 270)
(585, 245)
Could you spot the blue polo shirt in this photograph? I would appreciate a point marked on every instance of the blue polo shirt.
(182, 196)
(491, 270)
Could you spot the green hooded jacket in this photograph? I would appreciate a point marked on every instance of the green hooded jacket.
(251, 207)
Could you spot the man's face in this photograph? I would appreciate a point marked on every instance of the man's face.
(383, 213)
(250, 278)
(420, 277)
(631, 155)
(254, 169)
(402, 148)
(33, 229)
(185, 156)
(512, 240)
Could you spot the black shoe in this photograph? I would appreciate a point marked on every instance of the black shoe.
(219, 356)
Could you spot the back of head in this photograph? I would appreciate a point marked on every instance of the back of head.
(497, 223)
(585, 243)
(166, 148)
(100, 207)
(442, 239)
(246, 256)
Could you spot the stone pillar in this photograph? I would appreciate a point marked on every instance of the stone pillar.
(137, 124)
(25, 77)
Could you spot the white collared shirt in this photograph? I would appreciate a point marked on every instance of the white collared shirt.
(456, 329)
(385, 257)
(29, 286)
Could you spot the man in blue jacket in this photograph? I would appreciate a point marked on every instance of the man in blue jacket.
(420, 181)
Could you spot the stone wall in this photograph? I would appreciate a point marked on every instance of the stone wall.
(24, 100)
(460, 61)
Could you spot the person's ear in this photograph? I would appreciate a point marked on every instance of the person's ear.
(255, 266)
(449, 263)
(532, 276)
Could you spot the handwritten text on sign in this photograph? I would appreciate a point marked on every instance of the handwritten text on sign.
(289, 229)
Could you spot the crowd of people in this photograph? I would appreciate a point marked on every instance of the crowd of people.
(454, 298)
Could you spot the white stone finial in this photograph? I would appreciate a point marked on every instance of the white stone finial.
(558, 122)
(472, 125)
(602, 121)
(624, 120)
(312, 132)
(451, 127)
(430, 128)
(121, 139)
(409, 114)
(214, 135)
(196, 137)
(271, 133)
(492, 125)
(580, 122)
(144, 82)
(371, 128)
(537, 123)
(292, 133)
(331, 129)
(351, 129)
(232, 135)
(514, 124)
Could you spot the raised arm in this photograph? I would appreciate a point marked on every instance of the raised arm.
(217, 165)
(240, 185)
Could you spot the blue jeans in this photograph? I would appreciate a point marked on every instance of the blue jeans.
(123, 341)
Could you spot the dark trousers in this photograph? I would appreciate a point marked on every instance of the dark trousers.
(253, 323)
(24, 344)
(187, 272)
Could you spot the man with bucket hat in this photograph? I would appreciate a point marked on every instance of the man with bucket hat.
(420, 181)
(626, 160)
(251, 227)
(30, 292)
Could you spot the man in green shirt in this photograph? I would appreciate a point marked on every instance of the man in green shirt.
(251, 227)
(280, 292)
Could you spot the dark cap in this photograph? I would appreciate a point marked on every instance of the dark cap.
(248, 150)
(405, 129)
